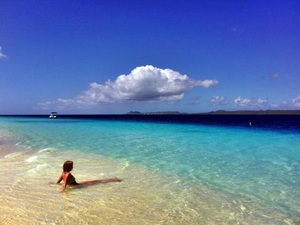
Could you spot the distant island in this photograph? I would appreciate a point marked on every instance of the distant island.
(155, 113)
(255, 112)
(224, 112)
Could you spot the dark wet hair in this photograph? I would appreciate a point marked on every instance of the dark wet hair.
(68, 166)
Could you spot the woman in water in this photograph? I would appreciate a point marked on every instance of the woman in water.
(69, 179)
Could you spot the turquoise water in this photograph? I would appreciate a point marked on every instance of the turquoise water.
(253, 175)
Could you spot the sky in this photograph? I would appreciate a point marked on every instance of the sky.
(105, 57)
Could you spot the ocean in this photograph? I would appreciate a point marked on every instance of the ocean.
(175, 169)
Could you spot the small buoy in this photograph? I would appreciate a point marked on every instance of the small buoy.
(250, 124)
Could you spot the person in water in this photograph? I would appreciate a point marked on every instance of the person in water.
(69, 179)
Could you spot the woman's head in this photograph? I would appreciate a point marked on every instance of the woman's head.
(68, 166)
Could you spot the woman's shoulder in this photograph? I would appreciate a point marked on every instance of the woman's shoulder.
(66, 174)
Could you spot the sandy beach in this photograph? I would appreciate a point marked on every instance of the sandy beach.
(143, 196)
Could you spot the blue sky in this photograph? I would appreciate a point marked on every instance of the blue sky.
(160, 55)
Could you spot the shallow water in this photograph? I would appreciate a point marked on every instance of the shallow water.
(172, 173)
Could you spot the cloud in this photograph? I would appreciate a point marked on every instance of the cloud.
(251, 102)
(218, 100)
(275, 105)
(2, 56)
(145, 83)
(263, 103)
(296, 101)
(276, 75)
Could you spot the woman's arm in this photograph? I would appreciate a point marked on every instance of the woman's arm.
(66, 181)
(59, 179)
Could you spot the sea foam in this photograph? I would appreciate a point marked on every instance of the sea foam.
(31, 159)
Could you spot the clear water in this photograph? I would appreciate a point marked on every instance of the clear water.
(172, 173)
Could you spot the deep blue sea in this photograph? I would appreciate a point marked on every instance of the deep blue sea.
(176, 169)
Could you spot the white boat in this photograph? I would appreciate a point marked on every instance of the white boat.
(53, 115)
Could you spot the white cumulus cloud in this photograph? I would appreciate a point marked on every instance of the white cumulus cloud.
(250, 102)
(296, 101)
(2, 56)
(145, 83)
(218, 100)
